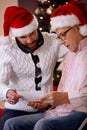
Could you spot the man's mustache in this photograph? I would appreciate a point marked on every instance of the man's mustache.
(32, 42)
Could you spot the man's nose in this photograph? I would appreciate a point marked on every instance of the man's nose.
(62, 41)
(29, 39)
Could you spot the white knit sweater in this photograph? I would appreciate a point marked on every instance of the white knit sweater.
(17, 71)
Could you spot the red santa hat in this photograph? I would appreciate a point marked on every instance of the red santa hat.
(73, 13)
(18, 21)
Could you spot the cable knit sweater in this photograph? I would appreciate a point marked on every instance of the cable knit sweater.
(17, 71)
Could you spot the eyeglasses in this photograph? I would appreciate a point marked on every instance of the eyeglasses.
(63, 35)
(38, 72)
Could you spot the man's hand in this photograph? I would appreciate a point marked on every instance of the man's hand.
(55, 98)
(37, 105)
(13, 96)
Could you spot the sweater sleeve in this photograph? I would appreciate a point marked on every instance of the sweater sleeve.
(5, 71)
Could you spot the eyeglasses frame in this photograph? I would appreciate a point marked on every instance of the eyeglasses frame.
(62, 36)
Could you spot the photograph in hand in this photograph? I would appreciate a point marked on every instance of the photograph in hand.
(32, 95)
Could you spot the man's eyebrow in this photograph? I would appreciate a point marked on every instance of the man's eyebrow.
(22, 36)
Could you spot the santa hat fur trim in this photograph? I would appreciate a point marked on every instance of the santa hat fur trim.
(83, 30)
(17, 32)
(5, 40)
(64, 21)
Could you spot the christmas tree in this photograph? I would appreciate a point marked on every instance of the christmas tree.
(44, 10)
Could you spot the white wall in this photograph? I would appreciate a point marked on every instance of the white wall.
(3, 5)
